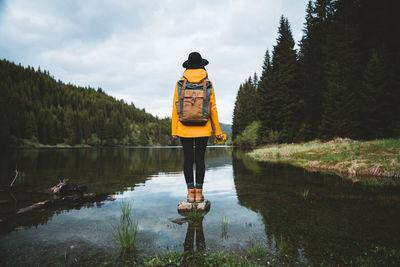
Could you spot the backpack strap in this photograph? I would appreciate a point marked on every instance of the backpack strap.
(204, 89)
(205, 95)
(183, 87)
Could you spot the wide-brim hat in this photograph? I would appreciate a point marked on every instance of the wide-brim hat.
(195, 61)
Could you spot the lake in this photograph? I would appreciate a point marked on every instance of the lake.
(308, 217)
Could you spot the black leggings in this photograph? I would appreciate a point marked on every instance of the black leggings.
(194, 154)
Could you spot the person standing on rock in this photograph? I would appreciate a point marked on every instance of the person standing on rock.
(194, 118)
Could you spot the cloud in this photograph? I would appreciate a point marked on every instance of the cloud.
(134, 49)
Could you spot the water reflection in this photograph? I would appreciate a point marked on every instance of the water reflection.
(195, 229)
(103, 170)
(339, 220)
(194, 233)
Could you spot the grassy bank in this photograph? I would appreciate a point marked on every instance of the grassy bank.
(258, 255)
(377, 158)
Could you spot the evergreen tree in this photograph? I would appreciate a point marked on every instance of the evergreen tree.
(30, 126)
(311, 65)
(340, 115)
(265, 109)
(245, 110)
(371, 89)
(339, 106)
(255, 81)
(237, 120)
(284, 85)
(69, 126)
(379, 111)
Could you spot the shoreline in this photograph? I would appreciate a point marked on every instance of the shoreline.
(378, 159)
(85, 146)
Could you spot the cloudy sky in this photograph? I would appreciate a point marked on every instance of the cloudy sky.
(134, 50)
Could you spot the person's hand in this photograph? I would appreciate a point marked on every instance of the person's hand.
(175, 137)
(219, 136)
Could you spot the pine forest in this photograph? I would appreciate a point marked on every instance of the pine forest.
(37, 109)
(342, 81)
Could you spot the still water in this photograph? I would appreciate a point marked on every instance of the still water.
(313, 217)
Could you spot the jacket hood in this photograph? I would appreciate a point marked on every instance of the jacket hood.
(195, 75)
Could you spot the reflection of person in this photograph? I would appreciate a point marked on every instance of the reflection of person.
(195, 134)
(195, 229)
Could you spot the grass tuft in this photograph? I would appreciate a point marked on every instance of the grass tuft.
(224, 227)
(128, 227)
(305, 193)
(281, 244)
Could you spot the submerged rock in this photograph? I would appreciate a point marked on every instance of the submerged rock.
(198, 206)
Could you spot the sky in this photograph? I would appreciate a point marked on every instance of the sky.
(134, 50)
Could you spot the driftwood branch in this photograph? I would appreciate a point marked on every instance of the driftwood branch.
(57, 188)
(62, 188)
(8, 187)
(15, 178)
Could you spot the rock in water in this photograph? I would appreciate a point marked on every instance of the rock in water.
(199, 206)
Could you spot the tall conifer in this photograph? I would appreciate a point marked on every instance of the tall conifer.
(340, 115)
(284, 84)
(244, 112)
(312, 59)
(264, 105)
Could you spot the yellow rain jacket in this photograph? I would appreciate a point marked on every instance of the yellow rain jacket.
(195, 76)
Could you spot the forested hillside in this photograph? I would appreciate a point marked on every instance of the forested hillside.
(36, 107)
(343, 81)
(226, 128)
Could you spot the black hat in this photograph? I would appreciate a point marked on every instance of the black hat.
(195, 61)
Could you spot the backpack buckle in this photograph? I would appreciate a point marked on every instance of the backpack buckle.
(193, 97)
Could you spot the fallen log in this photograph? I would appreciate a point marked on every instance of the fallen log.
(78, 198)
(63, 188)
(32, 207)
(41, 214)
(89, 197)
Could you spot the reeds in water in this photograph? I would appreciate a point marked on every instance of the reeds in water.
(281, 244)
(305, 193)
(224, 227)
(127, 227)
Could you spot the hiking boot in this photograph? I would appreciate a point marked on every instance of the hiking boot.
(191, 195)
(199, 195)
